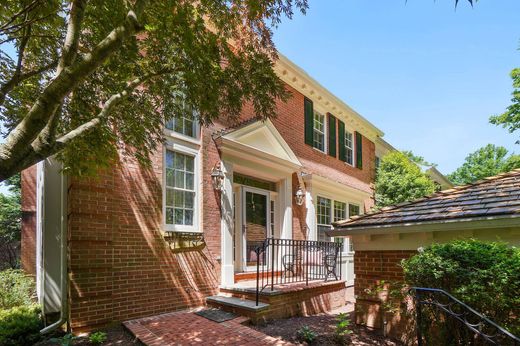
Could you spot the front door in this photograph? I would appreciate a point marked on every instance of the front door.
(255, 223)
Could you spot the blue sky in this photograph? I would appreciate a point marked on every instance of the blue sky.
(426, 74)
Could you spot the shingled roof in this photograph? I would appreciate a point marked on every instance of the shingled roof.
(494, 196)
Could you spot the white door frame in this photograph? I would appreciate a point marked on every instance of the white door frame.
(243, 229)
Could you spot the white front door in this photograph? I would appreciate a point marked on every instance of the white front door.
(256, 223)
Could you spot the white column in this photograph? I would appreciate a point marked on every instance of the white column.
(286, 208)
(310, 219)
(226, 227)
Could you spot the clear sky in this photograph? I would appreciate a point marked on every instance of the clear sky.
(427, 75)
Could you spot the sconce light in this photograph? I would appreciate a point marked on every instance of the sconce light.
(299, 196)
(217, 178)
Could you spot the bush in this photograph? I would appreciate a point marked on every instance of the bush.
(485, 276)
(97, 338)
(306, 334)
(20, 325)
(16, 289)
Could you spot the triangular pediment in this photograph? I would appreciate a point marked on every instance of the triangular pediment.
(263, 136)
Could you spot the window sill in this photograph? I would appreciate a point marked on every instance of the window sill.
(178, 136)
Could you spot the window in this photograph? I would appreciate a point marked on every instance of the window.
(272, 218)
(340, 211)
(184, 123)
(180, 190)
(353, 210)
(349, 148)
(319, 131)
(324, 218)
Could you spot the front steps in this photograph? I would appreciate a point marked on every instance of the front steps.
(288, 301)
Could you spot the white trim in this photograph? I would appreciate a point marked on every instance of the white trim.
(190, 151)
(325, 128)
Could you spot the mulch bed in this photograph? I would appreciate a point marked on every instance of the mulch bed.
(324, 325)
(116, 336)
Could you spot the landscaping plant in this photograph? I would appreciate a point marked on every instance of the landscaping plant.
(65, 340)
(342, 327)
(20, 325)
(485, 276)
(97, 338)
(306, 334)
(16, 289)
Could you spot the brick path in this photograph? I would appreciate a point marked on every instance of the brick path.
(186, 328)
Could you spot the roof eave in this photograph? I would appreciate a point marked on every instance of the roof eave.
(495, 221)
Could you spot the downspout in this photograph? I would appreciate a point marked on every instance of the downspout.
(63, 261)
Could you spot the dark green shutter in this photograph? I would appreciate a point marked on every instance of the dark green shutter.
(332, 135)
(309, 121)
(341, 141)
(359, 150)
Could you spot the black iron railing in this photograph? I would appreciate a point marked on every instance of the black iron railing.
(432, 303)
(284, 261)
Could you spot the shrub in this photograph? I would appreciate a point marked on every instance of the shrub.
(97, 338)
(306, 334)
(485, 276)
(16, 289)
(20, 325)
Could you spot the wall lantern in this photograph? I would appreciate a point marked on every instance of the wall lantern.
(299, 196)
(217, 178)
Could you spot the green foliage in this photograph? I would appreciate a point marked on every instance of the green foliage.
(485, 276)
(306, 334)
(212, 56)
(485, 162)
(400, 180)
(10, 224)
(97, 338)
(418, 159)
(65, 340)
(16, 289)
(510, 119)
(20, 325)
(342, 325)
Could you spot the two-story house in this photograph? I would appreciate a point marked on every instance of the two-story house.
(137, 241)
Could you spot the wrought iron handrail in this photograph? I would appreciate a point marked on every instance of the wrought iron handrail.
(427, 296)
(282, 261)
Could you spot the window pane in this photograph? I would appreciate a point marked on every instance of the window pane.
(169, 158)
(169, 177)
(321, 233)
(319, 131)
(178, 199)
(169, 216)
(323, 211)
(340, 211)
(188, 217)
(179, 161)
(169, 197)
(353, 210)
(189, 181)
(349, 148)
(179, 217)
(188, 199)
(189, 163)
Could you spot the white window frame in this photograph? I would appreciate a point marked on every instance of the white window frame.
(191, 151)
(325, 126)
(331, 213)
(352, 148)
(197, 131)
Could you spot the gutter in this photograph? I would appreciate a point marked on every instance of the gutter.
(502, 221)
(63, 263)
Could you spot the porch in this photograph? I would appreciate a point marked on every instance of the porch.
(292, 278)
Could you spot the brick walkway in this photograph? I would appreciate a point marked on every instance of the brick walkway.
(186, 328)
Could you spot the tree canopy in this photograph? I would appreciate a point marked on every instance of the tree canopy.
(510, 119)
(485, 162)
(400, 180)
(10, 223)
(91, 78)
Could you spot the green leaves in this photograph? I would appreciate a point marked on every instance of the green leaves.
(485, 162)
(486, 276)
(399, 180)
(510, 119)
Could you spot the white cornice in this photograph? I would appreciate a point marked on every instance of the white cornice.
(300, 80)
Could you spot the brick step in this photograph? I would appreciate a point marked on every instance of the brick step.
(236, 303)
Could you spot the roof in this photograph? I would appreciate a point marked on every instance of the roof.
(493, 196)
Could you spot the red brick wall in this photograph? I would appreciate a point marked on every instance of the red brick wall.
(28, 243)
(120, 266)
(371, 267)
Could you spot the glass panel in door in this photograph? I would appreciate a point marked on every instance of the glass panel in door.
(256, 221)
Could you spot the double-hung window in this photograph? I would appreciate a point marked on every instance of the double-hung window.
(323, 214)
(349, 148)
(319, 131)
(185, 122)
(180, 196)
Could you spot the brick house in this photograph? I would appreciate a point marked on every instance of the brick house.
(135, 242)
(488, 210)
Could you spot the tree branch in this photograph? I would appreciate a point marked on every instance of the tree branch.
(18, 142)
(70, 46)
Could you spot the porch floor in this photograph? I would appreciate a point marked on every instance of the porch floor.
(250, 286)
